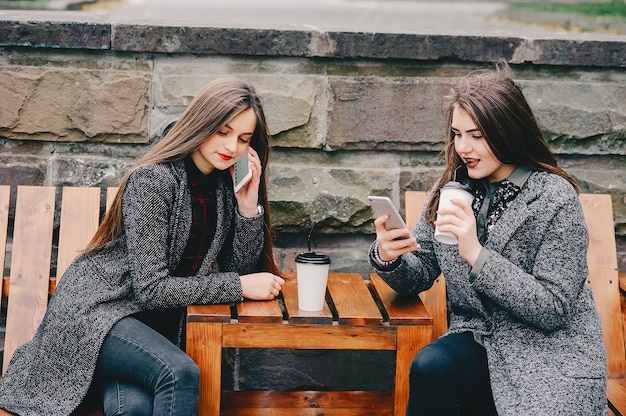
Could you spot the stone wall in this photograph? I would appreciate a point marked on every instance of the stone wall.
(351, 114)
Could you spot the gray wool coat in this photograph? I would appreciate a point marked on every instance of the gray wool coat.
(51, 374)
(541, 329)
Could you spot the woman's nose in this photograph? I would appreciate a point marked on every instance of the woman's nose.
(231, 143)
(461, 145)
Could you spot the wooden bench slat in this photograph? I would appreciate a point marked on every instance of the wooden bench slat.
(353, 301)
(435, 297)
(5, 196)
(603, 279)
(111, 192)
(30, 265)
(80, 215)
(297, 316)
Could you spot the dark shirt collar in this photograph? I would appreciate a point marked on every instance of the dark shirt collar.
(195, 177)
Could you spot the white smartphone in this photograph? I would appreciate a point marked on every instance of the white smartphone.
(243, 172)
(381, 205)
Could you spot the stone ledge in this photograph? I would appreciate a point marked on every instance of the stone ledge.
(31, 29)
(70, 35)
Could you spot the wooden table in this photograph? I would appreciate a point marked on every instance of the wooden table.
(359, 315)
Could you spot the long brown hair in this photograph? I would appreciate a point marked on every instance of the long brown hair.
(214, 106)
(498, 107)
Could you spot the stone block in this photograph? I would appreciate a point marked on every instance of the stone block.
(74, 104)
(209, 40)
(291, 102)
(88, 171)
(580, 52)
(335, 198)
(51, 34)
(368, 113)
(560, 105)
(25, 170)
(421, 47)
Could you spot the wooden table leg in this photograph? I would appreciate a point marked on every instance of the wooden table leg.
(204, 346)
(410, 340)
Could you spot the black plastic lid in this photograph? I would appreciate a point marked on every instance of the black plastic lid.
(311, 257)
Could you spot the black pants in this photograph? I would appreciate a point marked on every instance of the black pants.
(450, 377)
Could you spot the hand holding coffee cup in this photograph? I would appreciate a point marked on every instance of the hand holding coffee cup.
(450, 191)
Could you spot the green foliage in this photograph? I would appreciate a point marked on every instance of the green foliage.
(615, 8)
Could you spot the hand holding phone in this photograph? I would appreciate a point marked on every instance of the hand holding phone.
(243, 172)
(381, 205)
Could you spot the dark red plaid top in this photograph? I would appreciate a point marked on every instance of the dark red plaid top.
(203, 219)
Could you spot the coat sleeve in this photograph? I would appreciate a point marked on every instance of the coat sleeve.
(248, 243)
(545, 293)
(417, 270)
(148, 225)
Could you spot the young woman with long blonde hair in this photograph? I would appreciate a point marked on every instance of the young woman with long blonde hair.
(176, 234)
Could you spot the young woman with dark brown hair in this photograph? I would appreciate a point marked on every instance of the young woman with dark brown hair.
(524, 336)
(176, 234)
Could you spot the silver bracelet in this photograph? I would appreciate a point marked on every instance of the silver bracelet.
(381, 262)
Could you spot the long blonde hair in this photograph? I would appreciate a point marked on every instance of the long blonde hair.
(213, 107)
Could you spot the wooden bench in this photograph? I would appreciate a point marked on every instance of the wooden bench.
(360, 314)
(603, 279)
(47, 235)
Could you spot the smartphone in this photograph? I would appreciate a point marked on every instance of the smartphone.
(243, 172)
(381, 205)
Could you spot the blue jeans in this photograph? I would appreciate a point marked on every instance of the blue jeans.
(142, 373)
(450, 377)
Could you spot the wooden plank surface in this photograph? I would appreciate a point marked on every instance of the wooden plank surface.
(111, 192)
(435, 297)
(603, 278)
(30, 265)
(209, 313)
(306, 402)
(410, 340)
(5, 195)
(353, 300)
(259, 311)
(204, 346)
(401, 310)
(297, 316)
(329, 337)
(80, 215)
(616, 394)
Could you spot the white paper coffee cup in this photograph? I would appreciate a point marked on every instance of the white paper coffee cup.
(450, 191)
(312, 275)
